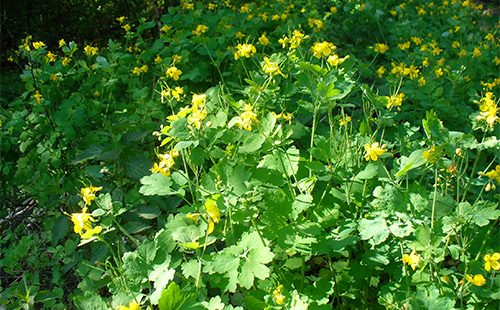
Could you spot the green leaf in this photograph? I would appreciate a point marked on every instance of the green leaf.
(251, 143)
(242, 263)
(156, 184)
(415, 160)
(161, 276)
(285, 162)
(89, 300)
(375, 231)
(369, 172)
(302, 203)
(60, 228)
(172, 298)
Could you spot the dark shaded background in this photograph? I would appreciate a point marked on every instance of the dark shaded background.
(84, 21)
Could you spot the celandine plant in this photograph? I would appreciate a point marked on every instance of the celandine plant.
(268, 156)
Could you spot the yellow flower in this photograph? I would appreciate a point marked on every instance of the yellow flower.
(88, 194)
(200, 29)
(83, 224)
(489, 109)
(477, 280)
(198, 100)
(322, 49)
(345, 120)
(373, 151)
(121, 19)
(38, 97)
(315, 23)
(494, 175)
(246, 119)
(166, 163)
(239, 35)
(38, 45)
(285, 116)
(212, 209)
(381, 48)
(263, 40)
(165, 28)
(475, 53)
(412, 259)
(431, 155)
(66, 61)
(90, 50)
(395, 101)
(195, 217)
(174, 73)
(126, 27)
(62, 43)
(271, 68)
(421, 81)
(158, 59)
(51, 56)
(380, 71)
(334, 60)
(244, 50)
(278, 297)
(296, 39)
(211, 6)
(492, 261)
(133, 305)
(439, 72)
(176, 58)
(404, 46)
(245, 8)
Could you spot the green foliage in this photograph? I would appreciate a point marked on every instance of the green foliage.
(197, 172)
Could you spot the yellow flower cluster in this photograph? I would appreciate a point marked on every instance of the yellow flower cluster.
(174, 73)
(198, 112)
(167, 161)
(200, 29)
(176, 93)
(278, 297)
(83, 221)
(140, 70)
(374, 151)
(489, 110)
(295, 40)
(165, 28)
(412, 259)
(90, 50)
(334, 60)
(381, 48)
(322, 49)
(271, 68)
(263, 40)
(246, 119)
(316, 24)
(83, 224)
(402, 69)
(51, 56)
(431, 155)
(244, 50)
(38, 45)
(395, 101)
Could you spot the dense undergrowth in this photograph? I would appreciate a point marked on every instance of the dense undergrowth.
(260, 155)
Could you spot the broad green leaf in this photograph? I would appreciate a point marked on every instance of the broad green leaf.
(415, 160)
(251, 142)
(285, 162)
(156, 184)
(375, 231)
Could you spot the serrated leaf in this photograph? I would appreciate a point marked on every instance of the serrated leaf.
(242, 263)
(375, 231)
(285, 162)
(415, 160)
(156, 184)
(251, 142)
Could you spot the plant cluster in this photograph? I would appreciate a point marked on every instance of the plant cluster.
(265, 155)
